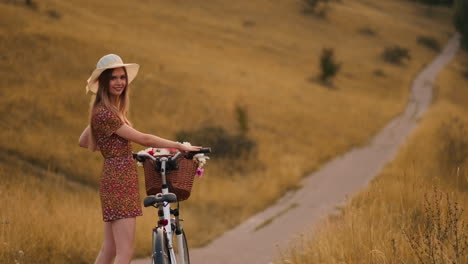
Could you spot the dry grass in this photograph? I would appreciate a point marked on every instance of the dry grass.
(46, 219)
(199, 60)
(400, 218)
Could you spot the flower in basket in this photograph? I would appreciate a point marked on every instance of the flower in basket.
(172, 150)
(156, 152)
(199, 172)
(200, 158)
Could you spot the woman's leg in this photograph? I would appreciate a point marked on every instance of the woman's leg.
(107, 253)
(124, 236)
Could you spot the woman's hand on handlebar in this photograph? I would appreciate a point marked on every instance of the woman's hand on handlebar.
(185, 148)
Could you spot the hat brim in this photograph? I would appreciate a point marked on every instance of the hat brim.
(93, 85)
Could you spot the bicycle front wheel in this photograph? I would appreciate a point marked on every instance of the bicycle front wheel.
(183, 248)
(160, 249)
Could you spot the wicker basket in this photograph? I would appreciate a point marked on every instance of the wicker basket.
(179, 181)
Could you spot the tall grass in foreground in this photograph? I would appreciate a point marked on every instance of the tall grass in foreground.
(45, 219)
(415, 210)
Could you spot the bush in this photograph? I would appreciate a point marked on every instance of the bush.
(379, 72)
(224, 144)
(52, 13)
(311, 6)
(429, 42)
(461, 20)
(328, 65)
(25, 3)
(31, 4)
(454, 152)
(315, 7)
(438, 233)
(248, 23)
(367, 31)
(437, 2)
(396, 55)
(242, 119)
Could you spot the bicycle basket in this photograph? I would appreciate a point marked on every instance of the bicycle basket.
(179, 181)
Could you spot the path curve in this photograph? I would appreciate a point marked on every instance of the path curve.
(325, 189)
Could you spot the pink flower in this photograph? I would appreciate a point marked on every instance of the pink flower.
(151, 152)
(172, 150)
(199, 173)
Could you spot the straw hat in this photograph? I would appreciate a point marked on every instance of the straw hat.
(110, 61)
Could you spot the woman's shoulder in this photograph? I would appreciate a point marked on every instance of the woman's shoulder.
(100, 111)
(99, 107)
(104, 121)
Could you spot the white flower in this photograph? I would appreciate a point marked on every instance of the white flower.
(200, 158)
(161, 151)
(145, 151)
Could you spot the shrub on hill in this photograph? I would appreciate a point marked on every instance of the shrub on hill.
(328, 65)
(461, 20)
(437, 2)
(311, 5)
(367, 32)
(223, 143)
(315, 7)
(52, 13)
(429, 42)
(379, 72)
(396, 55)
(27, 3)
(242, 119)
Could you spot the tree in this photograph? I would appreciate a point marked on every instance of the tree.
(242, 119)
(328, 65)
(437, 2)
(461, 20)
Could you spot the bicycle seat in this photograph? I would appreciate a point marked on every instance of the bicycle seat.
(159, 198)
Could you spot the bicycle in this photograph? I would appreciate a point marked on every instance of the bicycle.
(163, 233)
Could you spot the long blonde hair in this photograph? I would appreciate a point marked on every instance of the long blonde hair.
(102, 97)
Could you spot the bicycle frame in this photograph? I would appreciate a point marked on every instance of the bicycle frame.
(164, 229)
(167, 210)
(166, 216)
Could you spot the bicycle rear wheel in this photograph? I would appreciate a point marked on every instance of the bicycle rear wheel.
(160, 249)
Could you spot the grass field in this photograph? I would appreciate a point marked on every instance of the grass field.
(199, 61)
(415, 211)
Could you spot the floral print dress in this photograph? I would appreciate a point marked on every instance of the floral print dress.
(118, 186)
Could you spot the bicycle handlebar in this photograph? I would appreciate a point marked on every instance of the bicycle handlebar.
(193, 153)
(142, 156)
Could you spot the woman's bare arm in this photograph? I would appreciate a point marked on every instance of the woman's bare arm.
(84, 138)
(148, 140)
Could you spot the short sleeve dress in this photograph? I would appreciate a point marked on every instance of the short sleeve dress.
(118, 186)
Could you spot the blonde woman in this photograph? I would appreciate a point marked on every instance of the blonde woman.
(111, 132)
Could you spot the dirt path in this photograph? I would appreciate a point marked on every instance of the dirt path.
(258, 239)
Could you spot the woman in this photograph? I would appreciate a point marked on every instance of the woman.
(111, 133)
